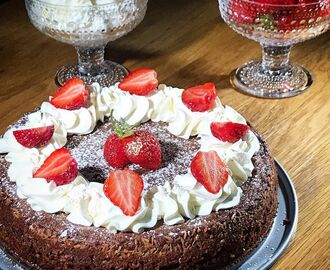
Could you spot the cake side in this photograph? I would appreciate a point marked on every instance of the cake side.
(223, 237)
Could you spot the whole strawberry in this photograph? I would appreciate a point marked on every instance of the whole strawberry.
(307, 12)
(268, 14)
(114, 152)
(144, 149)
(113, 149)
(243, 12)
(128, 146)
(277, 2)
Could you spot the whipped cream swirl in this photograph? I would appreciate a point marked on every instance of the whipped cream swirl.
(37, 119)
(194, 200)
(81, 121)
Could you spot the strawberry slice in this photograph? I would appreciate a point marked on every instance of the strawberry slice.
(200, 98)
(144, 149)
(209, 170)
(59, 167)
(123, 188)
(114, 152)
(229, 131)
(140, 82)
(34, 137)
(71, 96)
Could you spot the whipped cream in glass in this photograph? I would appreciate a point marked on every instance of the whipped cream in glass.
(88, 25)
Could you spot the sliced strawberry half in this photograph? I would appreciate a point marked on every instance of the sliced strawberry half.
(200, 98)
(34, 137)
(209, 170)
(144, 149)
(229, 131)
(123, 188)
(71, 96)
(59, 167)
(140, 82)
(114, 152)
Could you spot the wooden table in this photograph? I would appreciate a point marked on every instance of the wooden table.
(188, 44)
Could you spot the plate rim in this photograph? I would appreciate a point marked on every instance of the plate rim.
(294, 213)
(287, 189)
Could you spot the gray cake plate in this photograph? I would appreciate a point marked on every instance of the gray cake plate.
(272, 247)
(282, 231)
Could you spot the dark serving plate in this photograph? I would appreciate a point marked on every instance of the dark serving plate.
(272, 247)
(282, 231)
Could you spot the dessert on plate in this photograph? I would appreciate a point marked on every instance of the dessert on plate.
(134, 176)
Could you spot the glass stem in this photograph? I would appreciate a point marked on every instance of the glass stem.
(275, 59)
(90, 61)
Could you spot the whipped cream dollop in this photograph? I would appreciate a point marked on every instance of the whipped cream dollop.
(132, 108)
(107, 215)
(80, 121)
(74, 15)
(194, 200)
(8, 143)
(237, 156)
(85, 202)
(185, 123)
(103, 100)
(165, 202)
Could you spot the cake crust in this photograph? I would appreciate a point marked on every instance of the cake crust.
(49, 241)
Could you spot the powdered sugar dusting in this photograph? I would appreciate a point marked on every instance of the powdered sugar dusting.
(177, 154)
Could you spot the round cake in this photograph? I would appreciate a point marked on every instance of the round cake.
(184, 219)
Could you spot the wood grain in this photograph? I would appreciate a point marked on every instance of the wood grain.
(188, 44)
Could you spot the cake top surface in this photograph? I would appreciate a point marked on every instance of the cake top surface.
(172, 193)
(177, 154)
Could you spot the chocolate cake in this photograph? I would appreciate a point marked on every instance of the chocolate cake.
(44, 240)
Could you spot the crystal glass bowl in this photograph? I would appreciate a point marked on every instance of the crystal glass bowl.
(277, 25)
(88, 25)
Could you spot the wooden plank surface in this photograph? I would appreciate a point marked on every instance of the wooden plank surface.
(188, 44)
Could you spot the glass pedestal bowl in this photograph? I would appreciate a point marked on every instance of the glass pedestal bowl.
(277, 25)
(88, 26)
